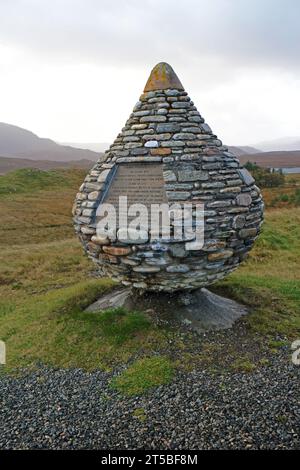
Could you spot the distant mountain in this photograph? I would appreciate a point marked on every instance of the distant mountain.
(281, 144)
(102, 146)
(95, 146)
(273, 159)
(16, 142)
(242, 150)
(9, 164)
(33, 151)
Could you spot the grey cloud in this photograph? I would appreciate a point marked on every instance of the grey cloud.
(234, 33)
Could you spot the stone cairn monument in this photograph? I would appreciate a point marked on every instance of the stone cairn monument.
(166, 153)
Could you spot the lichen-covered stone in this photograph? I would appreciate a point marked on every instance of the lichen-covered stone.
(163, 77)
(100, 240)
(117, 250)
(220, 255)
(160, 151)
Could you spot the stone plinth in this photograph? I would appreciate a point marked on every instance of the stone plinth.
(200, 310)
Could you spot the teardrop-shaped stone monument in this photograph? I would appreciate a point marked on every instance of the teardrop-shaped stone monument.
(167, 154)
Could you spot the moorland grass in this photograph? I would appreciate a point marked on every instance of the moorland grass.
(52, 328)
(29, 180)
(269, 281)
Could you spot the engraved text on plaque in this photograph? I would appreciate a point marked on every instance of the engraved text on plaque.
(142, 183)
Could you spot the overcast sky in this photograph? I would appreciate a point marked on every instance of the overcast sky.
(72, 70)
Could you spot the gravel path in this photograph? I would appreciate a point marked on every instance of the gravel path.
(71, 409)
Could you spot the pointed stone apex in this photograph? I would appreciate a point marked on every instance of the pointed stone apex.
(163, 77)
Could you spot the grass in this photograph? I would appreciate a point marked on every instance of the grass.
(270, 279)
(143, 375)
(43, 293)
(275, 304)
(243, 364)
(29, 180)
(52, 328)
(286, 199)
(37, 211)
(140, 414)
(119, 325)
(46, 282)
(286, 196)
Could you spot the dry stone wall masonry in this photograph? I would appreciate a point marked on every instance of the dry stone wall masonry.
(166, 129)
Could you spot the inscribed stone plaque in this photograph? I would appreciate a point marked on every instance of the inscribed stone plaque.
(142, 183)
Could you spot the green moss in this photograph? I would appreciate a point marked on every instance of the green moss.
(264, 362)
(143, 375)
(119, 325)
(140, 414)
(282, 419)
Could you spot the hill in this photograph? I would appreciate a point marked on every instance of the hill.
(20, 148)
(16, 142)
(95, 146)
(281, 144)
(9, 164)
(242, 150)
(276, 159)
(102, 146)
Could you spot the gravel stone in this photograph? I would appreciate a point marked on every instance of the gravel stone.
(73, 409)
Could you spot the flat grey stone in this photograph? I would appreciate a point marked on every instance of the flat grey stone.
(111, 300)
(208, 311)
(246, 176)
(178, 268)
(192, 175)
(244, 199)
(206, 128)
(151, 143)
(168, 127)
